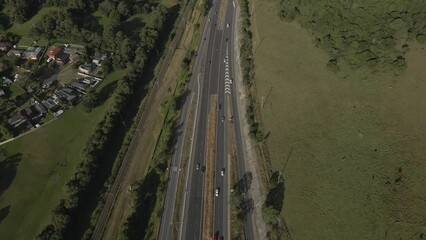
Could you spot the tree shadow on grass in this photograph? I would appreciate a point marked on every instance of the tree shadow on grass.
(106, 92)
(4, 212)
(137, 223)
(8, 171)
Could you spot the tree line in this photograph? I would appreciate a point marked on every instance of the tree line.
(66, 213)
(247, 68)
(364, 33)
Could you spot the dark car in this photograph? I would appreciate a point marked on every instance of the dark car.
(219, 107)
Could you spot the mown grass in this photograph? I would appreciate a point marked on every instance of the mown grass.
(351, 143)
(48, 158)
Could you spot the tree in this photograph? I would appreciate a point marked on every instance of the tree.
(90, 100)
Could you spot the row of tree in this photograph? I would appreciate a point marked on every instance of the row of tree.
(247, 67)
(69, 208)
(362, 33)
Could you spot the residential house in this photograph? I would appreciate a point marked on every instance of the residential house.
(6, 81)
(58, 55)
(32, 53)
(80, 86)
(5, 46)
(39, 107)
(67, 94)
(17, 120)
(50, 103)
(14, 52)
(31, 113)
(2, 93)
(87, 67)
(99, 58)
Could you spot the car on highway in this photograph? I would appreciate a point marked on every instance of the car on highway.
(216, 192)
(230, 80)
(219, 107)
(227, 25)
(222, 172)
(216, 235)
(198, 166)
(223, 118)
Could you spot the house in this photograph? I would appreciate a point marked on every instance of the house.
(32, 53)
(5, 46)
(58, 55)
(48, 82)
(39, 107)
(53, 51)
(49, 103)
(31, 113)
(14, 52)
(99, 58)
(62, 58)
(6, 81)
(17, 120)
(87, 67)
(2, 93)
(79, 86)
(67, 94)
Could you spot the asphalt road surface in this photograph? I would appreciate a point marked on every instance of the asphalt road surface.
(213, 74)
(167, 225)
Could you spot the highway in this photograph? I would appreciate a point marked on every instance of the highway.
(167, 224)
(224, 63)
(192, 222)
(213, 73)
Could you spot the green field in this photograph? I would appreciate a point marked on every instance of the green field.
(354, 141)
(39, 164)
(24, 29)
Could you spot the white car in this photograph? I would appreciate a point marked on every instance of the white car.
(222, 172)
(216, 192)
(227, 25)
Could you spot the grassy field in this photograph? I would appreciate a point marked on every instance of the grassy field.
(353, 141)
(39, 164)
(24, 29)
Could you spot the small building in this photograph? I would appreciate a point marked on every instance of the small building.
(53, 51)
(81, 86)
(17, 120)
(57, 54)
(2, 93)
(39, 107)
(87, 67)
(14, 52)
(32, 53)
(99, 58)
(67, 94)
(31, 113)
(5, 46)
(50, 103)
(6, 81)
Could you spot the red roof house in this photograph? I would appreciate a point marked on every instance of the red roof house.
(53, 52)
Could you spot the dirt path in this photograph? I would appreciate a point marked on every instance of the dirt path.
(257, 188)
